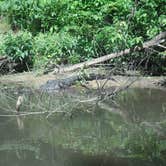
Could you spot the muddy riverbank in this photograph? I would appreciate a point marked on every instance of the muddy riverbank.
(32, 80)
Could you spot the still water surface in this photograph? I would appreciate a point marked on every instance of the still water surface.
(130, 132)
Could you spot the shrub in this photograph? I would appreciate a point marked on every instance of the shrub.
(81, 30)
(57, 47)
(19, 47)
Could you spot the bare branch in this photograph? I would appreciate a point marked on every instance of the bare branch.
(155, 41)
(161, 46)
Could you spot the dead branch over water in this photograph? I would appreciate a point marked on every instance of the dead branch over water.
(45, 104)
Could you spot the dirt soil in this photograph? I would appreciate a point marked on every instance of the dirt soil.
(27, 79)
(32, 80)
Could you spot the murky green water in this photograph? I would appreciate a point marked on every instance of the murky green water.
(130, 131)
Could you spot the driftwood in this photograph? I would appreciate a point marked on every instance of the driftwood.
(156, 41)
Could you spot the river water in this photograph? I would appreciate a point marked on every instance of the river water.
(131, 130)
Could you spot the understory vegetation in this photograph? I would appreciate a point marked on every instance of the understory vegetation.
(72, 31)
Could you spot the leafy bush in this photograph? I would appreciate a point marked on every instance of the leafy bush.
(33, 15)
(146, 20)
(75, 30)
(19, 47)
(57, 47)
(149, 18)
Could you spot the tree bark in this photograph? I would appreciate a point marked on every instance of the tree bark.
(154, 42)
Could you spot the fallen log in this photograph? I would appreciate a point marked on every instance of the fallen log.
(154, 42)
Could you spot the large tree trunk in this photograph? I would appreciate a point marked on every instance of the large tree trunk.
(155, 41)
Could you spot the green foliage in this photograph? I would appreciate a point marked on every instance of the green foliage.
(45, 15)
(19, 47)
(87, 28)
(148, 19)
(59, 47)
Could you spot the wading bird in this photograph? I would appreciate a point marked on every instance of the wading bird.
(19, 102)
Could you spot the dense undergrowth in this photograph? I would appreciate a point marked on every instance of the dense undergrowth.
(72, 31)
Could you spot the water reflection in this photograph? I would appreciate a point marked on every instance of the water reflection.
(20, 122)
(130, 132)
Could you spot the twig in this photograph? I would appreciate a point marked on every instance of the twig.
(52, 112)
(29, 113)
(161, 46)
(120, 89)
